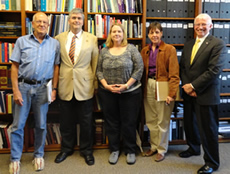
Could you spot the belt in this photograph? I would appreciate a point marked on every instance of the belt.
(152, 77)
(32, 82)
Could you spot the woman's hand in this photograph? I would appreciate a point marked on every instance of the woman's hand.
(169, 99)
(116, 88)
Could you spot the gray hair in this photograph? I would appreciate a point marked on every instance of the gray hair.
(76, 11)
(204, 16)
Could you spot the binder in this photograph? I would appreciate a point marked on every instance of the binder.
(179, 8)
(190, 31)
(185, 8)
(151, 8)
(184, 32)
(170, 8)
(174, 33)
(165, 36)
(191, 9)
(180, 35)
(226, 32)
(223, 9)
(162, 88)
(169, 32)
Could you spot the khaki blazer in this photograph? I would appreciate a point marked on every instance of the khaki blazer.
(78, 78)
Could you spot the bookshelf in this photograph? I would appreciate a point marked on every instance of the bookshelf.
(23, 13)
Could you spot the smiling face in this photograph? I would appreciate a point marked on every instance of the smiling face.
(155, 36)
(202, 25)
(40, 24)
(76, 22)
(117, 34)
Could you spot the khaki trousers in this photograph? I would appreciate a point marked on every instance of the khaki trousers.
(157, 115)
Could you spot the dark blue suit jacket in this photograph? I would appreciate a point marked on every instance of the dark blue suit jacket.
(204, 72)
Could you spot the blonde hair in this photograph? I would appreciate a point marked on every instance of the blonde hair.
(109, 42)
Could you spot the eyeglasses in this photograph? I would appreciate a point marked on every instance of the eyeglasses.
(40, 22)
(203, 25)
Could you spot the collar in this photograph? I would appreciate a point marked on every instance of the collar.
(203, 38)
(33, 36)
(79, 34)
(151, 44)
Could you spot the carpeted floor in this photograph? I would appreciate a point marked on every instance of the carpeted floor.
(75, 164)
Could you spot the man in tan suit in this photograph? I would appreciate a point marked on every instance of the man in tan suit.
(77, 81)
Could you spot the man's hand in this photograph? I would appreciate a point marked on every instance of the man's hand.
(18, 98)
(188, 88)
(53, 95)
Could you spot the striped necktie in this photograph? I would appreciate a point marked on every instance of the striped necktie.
(194, 50)
(72, 49)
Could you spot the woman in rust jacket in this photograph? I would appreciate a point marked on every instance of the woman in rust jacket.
(160, 64)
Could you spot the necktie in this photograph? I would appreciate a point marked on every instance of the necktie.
(194, 50)
(72, 49)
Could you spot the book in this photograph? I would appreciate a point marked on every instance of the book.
(99, 131)
(162, 88)
(3, 77)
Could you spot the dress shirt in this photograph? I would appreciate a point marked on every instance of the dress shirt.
(201, 40)
(36, 60)
(78, 44)
(152, 60)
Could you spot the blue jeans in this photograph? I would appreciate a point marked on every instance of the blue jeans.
(35, 96)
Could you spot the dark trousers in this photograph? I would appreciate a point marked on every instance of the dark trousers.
(73, 112)
(121, 112)
(201, 127)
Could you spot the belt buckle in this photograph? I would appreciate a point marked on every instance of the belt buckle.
(34, 81)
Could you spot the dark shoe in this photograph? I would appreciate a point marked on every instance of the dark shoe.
(89, 159)
(62, 156)
(205, 169)
(187, 153)
(150, 152)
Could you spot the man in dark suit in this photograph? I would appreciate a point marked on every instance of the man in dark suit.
(201, 92)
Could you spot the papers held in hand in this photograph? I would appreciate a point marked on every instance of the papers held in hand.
(162, 88)
(49, 91)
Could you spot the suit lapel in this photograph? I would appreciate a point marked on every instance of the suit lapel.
(83, 45)
(64, 40)
(201, 49)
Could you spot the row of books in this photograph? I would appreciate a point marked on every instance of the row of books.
(221, 30)
(224, 107)
(10, 28)
(170, 8)
(53, 135)
(115, 6)
(6, 102)
(6, 50)
(217, 8)
(5, 129)
(100, 25)
(225, 81)
(224, 129)
(52, 5)
(174, 32)
(58, 24)
(10, 4)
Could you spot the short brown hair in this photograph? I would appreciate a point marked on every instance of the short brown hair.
(154, 26)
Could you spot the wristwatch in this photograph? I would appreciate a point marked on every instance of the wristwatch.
(127, 86)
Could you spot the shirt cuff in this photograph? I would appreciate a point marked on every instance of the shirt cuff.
(192, 86)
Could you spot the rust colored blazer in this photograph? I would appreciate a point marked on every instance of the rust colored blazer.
(167, 67)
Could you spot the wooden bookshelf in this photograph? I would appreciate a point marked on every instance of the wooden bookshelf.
(20, 16)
